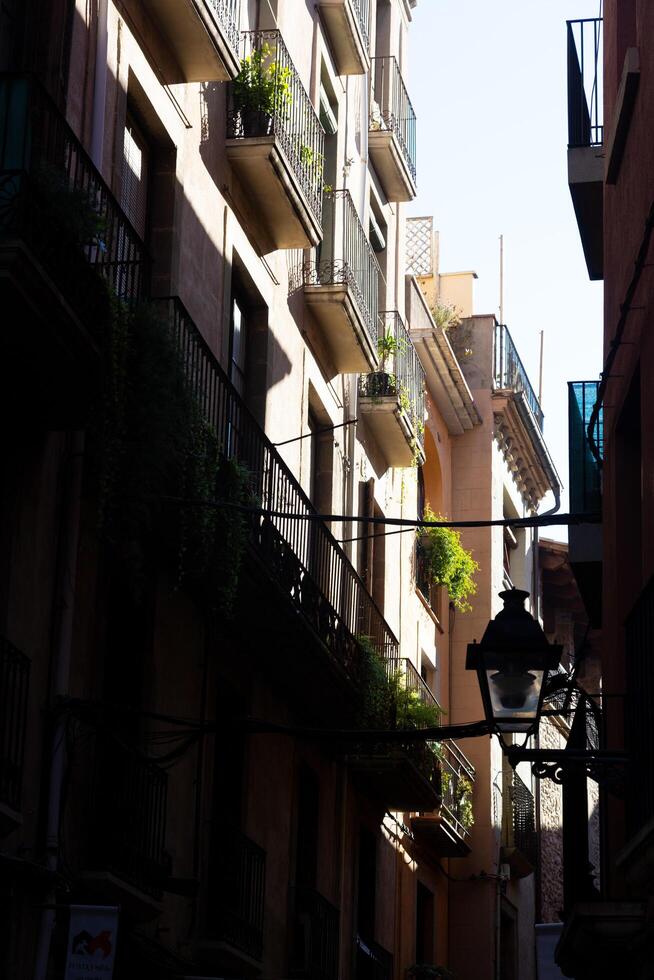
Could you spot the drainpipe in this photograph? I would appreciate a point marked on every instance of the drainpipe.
(62, 647)
(100, 85)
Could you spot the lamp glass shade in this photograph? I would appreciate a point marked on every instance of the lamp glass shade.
(515, 694)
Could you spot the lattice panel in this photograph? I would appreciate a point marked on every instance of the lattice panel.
(419, 246)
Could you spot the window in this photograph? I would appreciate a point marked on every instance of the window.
(136, 163)
(238, 347)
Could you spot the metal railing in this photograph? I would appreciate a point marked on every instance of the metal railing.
(51, 193)
(14, 690)
(457, 780)
(585, 475)
(401, 373)
(362, 12)
(345, 257)
(391, 107)
(236, 893)
(409, 680)
(228, 15)
(373, 962)
(509, 372)
(302, 556)
(316, 937)
(424, 581)
(639, 710)
(585, 78)
(519, 816)
(269, 99)
(128, 819)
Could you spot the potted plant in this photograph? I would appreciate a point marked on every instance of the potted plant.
(262, 91)
(447, 562)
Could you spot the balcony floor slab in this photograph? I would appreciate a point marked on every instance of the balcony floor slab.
(392, 170)
(342, 327)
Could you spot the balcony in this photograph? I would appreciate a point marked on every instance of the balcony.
(295, 565)
(203, 37)
(275, 144)
(447, 832)
(392, 131)
(519, 421)
(232, 937)
(14, 690)
(519, 838)
(586, 137)
(373, 962)
(125, 861)
(341, 288)
(392, 400)
(585, 540)
(347, 24)
(59, 228)
(315, 947)
(403, 777)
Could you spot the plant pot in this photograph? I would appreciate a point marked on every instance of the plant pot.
(255, 122)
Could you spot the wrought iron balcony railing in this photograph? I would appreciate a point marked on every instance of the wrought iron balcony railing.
(585, 83)
(401, 373)
(52, 195)
(410, 681)
(14, 689)
(302, 556)
(509, 371)
(457, 780)
(639, 710)
(362, 12)
(127, 824)
(346, 257)
(585, 476)
(316, 937)
(269, 99)
(519, 816)
(373, 962)
(236, 895)
(391, 107)
(228, 15)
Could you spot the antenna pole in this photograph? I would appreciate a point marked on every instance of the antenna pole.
(540, 372)
(501, 278)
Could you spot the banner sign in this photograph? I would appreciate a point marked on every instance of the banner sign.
(91, 942)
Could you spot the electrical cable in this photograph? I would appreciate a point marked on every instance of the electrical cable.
(544, 520)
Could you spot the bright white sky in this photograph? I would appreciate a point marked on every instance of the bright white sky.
(488, 85)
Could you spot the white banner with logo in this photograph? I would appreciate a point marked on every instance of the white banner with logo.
(91, 942)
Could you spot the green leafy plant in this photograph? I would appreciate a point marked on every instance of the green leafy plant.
(448, 562)
(312, 159)
(387, 346)
(263, 85)
(463, 801)
(446, 316)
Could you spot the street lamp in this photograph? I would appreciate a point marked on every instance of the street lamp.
(512, 662)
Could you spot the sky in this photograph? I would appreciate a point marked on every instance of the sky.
(488, 84)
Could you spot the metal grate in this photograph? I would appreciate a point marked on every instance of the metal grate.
(639, 709)
(420, 247)
(519, 816)
(585, 83)
(269, 99)
(362, 11)
(391, 107)
(302, 556)
(237, 882)
(346, 257)
(373, 962)
(315, 937)
(509, 371)
(585, 476)
(14, 689)
(128, 819)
